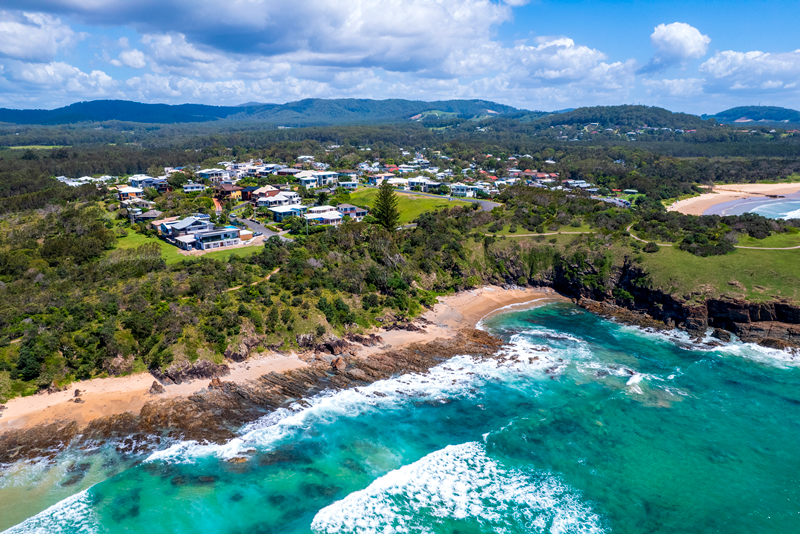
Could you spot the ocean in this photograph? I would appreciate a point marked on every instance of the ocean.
(787, 207)
(581, 425)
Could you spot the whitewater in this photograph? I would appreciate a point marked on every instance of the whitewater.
(579, 425)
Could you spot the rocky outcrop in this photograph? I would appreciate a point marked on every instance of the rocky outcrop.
(242, 351)
(156, 389)
(773, 334)
(176, 374)
(215, 414)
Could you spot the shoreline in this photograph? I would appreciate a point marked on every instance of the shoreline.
(119, 395)
(721, 194)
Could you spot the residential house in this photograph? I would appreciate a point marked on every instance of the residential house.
(350, 186)
(282, 212)
(218, 238)
(324, 215)
(348, 175)
(138, 203)
(192, 187)
(215, 175)
(282, 198)
(462, 190)
(377, 179)
(399, 183)
(147, 216)
(354, 212)
(187, 226)
(422, 184)
(130, 192)
(247, 192)
(288, 171)
(228, 191)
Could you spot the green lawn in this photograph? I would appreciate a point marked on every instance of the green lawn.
(171, 255)
(37, 147)
(411, 206)
(763, 273)
(133, 240)
(782, 240)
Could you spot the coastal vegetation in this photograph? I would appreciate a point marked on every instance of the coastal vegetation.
(85, 293)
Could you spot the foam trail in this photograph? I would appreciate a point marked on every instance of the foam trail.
(460, 482)
(71, 516)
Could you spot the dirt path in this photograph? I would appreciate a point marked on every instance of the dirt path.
(628, 229)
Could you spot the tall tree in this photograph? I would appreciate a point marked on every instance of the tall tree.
(385, 209)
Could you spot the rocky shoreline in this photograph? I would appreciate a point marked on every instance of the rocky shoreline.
(215, 413)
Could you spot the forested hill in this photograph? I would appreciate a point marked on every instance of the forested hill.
(625, 116)
(122, 110)
(758, 113)
(309, 112)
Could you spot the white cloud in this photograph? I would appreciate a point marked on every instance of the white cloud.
(756, 71)
(33, 36)
(681, 88)
(675, 44)
(130, 58)
(52, 83)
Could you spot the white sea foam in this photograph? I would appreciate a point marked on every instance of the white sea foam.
(71, 516)
(520, 306)
(460, 482)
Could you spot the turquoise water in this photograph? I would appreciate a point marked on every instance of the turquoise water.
(771, 208)
(582, 426)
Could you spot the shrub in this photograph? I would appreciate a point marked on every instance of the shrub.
(651, 247)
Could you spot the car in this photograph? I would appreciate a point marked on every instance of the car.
(256, 234)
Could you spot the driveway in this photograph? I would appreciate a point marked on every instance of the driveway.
(256, 226)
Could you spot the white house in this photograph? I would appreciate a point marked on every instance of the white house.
(282, 212)
(423, 184)
(350, 186)
(462, 190)
(192, 187)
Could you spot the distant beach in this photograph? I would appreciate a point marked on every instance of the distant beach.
(725, 198)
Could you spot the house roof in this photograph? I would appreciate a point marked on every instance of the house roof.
(152, 214)
(250, 189)
(131, 190)
(346, 206)
(186, 239)
(229, 188)
(287, 209)
(185, 223)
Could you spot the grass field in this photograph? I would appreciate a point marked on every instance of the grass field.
(37, 147)
(411, 206)
(762, 273)
(171, 255)
(782, 240)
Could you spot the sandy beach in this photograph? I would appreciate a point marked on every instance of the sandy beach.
(725, 193)
(109, 396)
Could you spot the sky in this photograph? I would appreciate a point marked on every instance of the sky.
(693, 56)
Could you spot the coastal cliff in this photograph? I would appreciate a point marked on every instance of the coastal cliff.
(774, 323)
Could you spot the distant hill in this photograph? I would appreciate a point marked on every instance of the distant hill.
(121, 110)
(307, 112)
(624, 116)
(757, 113)
(316, 111)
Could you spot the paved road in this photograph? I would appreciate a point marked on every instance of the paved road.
(486, 205)
(256, 226)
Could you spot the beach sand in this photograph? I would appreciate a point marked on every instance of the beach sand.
(110, 396)
(725, 193)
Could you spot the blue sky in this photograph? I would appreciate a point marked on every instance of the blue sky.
(699, 57)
